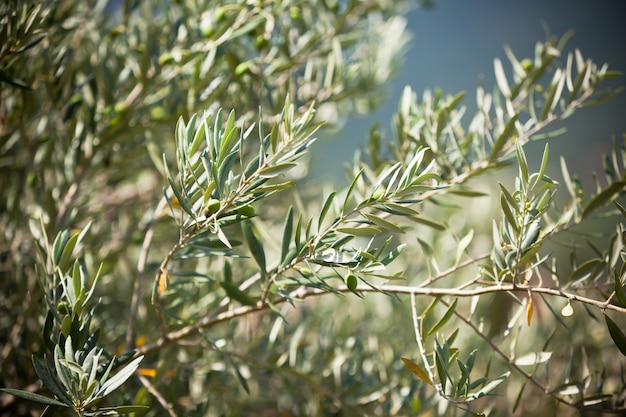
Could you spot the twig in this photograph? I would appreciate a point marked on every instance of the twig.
(418, 339)
(156, 394)
(215, 319)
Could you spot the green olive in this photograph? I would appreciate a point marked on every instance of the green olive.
(213, 205)
(351, 282)
(247, 211)
(63, 308)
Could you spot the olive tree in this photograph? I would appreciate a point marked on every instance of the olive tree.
(165, 252)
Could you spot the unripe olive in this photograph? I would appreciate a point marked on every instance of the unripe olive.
(212, 206)
(66, 325)
(220, 14)
(166, 58)
(378, 194)
(261, 42)
(294, 12)
(242, 68)
(351, 282)
(63, 307)
(247, 211)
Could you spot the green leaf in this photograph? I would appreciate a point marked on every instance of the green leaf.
(49, 379)
(385, 224)
(604, 197)
(58, 247)
(393, 254)
(521, 160)
(255, 246)
(587, 269)
(229, 139)
(325, 208)
(554, 93)
(463, 244)
(270, 188)
(360, 231)
(616, 334)
(118, 379)
(124, 409)
(233, 291)
(31, 396)
(346, 200)
(287, 234)
(542, 169)
(502, 139)
(397, 209)
(620, 295)
(276, 170)
(489, 387)
(428, 222)
(441, 361)
(508, 214)
(463, 192)
(249, 26)
(446, 317)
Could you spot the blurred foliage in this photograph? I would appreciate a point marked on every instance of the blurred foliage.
(163, 246)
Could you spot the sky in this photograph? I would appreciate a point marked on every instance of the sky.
(453, 46)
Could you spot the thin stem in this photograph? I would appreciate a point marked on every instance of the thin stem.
(302, 293)
(420, 344)
(131, 335)
(156, 394)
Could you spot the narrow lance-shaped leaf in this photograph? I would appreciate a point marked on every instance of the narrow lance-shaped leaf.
(255, 246)
(49, 379)
(444, 319)
(198, 137)
(521, 160)
(59, 245)
(489, 387)
(620, 295)
(31, 396)
(463, 244)
(616, 334)
(230, 137)
(233, 291)
(533, 358)
(276, 170)
(287, 234)
(501, 80)
(554, 93)
(360, 231)
(502, 139)
(542, 169)
(417, 370)
(428, 222)
(325, 209)
(346, 201)
(385, 224)
(118, 379)
(604, 197)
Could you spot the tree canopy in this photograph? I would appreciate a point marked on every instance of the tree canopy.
(165, 253)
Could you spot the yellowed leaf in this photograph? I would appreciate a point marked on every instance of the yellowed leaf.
(147, 372)
(415, 368)
(164, 279)
(529, 311)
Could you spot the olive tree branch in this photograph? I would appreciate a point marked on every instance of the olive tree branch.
(303, 292)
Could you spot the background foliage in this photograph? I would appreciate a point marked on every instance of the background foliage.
(156, 206)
